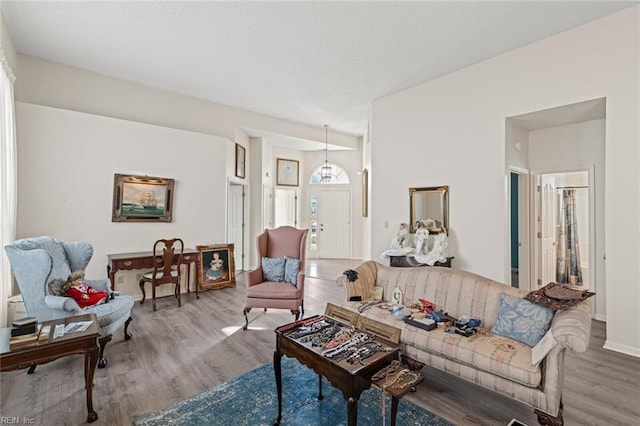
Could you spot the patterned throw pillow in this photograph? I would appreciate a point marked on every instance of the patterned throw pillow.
(557, 296)
(522, 320)
(291, 268)
(273, 268)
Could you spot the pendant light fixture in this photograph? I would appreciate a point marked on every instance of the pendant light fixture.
(326, 172)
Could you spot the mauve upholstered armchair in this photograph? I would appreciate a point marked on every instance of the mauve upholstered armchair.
(38, 262)
(265, 291)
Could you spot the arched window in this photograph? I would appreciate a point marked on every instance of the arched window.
(338, 175)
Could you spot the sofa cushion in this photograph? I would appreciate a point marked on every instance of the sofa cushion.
(273, 268)
(522, 320)
(497, 355)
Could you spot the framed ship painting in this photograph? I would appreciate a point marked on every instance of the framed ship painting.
(217, 268)
(142, 199)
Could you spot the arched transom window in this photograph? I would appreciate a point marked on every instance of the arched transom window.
(338, 175)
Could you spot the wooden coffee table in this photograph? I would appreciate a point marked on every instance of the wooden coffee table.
(350, 379)
(81, 342)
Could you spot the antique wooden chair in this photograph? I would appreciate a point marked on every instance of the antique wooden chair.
(167, 259)
(278, 281)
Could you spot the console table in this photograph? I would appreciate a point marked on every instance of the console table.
(409, 261)
(80, 342)
(144, 260)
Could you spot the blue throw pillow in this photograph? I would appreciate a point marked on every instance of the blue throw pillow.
(273, 268)
(522, 320)
(291, 268)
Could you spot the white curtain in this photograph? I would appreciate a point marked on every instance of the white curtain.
(8, 179)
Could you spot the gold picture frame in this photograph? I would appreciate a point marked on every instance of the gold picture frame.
(217, 268)
(365, 193)
(287, 172)
(241, 159)
(142, 199)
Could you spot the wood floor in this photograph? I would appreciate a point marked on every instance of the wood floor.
(177, 352)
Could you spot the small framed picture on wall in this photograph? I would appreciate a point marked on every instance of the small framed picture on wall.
(240, 161)
(287, 172)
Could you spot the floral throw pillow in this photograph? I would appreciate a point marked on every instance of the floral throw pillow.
(522, 320)
(273, 269)
(291, 268)
(557, 296)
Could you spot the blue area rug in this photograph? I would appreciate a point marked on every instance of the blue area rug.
(251, 399)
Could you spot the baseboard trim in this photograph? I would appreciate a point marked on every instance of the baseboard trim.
(616, 347)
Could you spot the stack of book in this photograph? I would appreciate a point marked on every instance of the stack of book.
(24, 332)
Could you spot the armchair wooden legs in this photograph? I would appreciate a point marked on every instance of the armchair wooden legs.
(102, 342)
(127, 335)
(246, 319)
(295, 312)
(102, 361)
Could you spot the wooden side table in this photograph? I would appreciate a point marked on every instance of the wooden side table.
(77, 343)
(396, 392)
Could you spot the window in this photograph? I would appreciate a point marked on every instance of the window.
(338, 175)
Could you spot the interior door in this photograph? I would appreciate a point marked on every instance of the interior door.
(286, 206)
(236, 224)
(334, 224)
(267, 207)
(548, 219)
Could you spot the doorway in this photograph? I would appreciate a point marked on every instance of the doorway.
(236, 223)
(519, 229)
(286, 208)
(564, 243)
(330, 224)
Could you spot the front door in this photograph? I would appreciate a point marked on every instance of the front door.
(333, 229)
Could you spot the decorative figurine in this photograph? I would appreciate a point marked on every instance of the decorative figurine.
(421, 238)
(439, 251)
(401, 238)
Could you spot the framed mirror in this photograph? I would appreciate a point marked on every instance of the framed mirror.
(429, 203)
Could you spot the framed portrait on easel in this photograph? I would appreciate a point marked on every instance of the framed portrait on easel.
(217, 268)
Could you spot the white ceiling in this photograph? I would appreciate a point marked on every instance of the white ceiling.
(309, 62)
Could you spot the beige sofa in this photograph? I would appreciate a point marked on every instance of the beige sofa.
(494, 362)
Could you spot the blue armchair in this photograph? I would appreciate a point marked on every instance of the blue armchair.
(41, 263)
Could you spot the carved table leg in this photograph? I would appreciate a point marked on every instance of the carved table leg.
(394, 410)
(102, 362)
(90, 360)
(277, 368)
(352, 411)
(144, 295)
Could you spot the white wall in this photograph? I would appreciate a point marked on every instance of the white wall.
(66, 163)
(451, 131)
